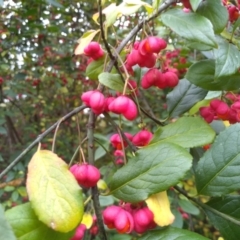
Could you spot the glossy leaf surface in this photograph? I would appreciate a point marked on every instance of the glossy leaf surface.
(191, 26)
(217, 172)
(186, 131)
(183, 97)
(225, 216)
(154, 169)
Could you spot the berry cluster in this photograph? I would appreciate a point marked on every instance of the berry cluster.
(128, 218)
(145, 54)
(119, 105)
(86, 175)
(154, 77)
(140, 139)
(219, 109)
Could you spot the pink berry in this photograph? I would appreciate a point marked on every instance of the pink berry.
(124, 105)
(116, 140)
(171, 79)
(124, 222)
(142, 138)
(94, 50)
(79, 234)
(97, 102)
(207, 113)
(150, 78)
(151, 45)
(109, 215)
(86, 97)
(86, 175)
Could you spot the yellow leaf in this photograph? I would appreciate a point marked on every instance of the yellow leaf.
(87, 220)
(53, 192)
(159, 204)
(101, 184)
(226, 123)
(85, 40)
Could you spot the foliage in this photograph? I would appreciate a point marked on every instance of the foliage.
(159, 119)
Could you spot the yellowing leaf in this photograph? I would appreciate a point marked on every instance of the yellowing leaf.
(159, 204)
(53, 192)
(87, 220)
(226, 123)
(86, 38)
(101, 184)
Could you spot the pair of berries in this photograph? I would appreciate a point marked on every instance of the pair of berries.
(154, 77)
(119, 105)
(144, 53)
(126, 219)
(140, 139)
(86, 175)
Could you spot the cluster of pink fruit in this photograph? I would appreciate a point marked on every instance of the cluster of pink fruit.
(119, 105)
(145, 54)
(86, 175)
(219, 109)
(128, 218)
(140, 139)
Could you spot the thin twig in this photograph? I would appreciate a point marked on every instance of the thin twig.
(95, 193)
(39, 138)
(107, 116)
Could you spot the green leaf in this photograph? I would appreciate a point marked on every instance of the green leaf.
(217, 172)
(112, 81)
(191, 26)
(171, 233)
(5, 229)
(53, 192)
(195, 4)
(215, 12)
(187, 132)
(225, 216)
(236, 25)
(188, 207)
(183, 97)
(94, 69)
(227, 58)
(27, 226)
(155, 168)
(202, 74)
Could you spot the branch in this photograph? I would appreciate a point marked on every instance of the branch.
(112, 57)
(206, 207)
(137, 28)
(95, 193)
(107, 116)
(39, 138)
